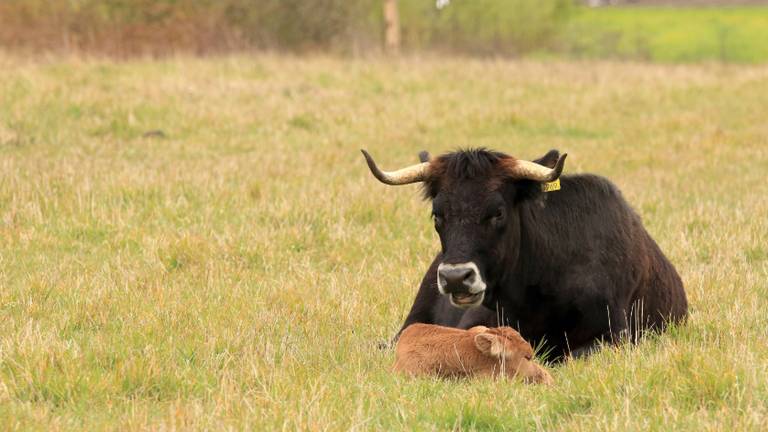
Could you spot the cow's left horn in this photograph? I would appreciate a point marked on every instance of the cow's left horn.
(411, 174)
(523, 169)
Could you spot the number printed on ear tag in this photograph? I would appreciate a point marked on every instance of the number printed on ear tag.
(550, 186)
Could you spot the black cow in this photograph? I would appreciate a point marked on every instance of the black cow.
(567, 268)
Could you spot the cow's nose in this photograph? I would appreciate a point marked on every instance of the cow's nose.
(456, 279)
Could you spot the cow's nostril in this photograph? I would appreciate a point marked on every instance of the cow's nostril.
(457, 277)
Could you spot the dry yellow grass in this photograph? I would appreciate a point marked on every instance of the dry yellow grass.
(237, 272)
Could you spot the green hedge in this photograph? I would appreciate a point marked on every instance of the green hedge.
(508, 27)
(474, 27)
(126, 27)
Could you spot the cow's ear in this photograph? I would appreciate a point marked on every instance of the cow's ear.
(489, 344)
(549, 160)
(527, 189)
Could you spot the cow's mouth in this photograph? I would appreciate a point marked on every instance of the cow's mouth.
(466, 299)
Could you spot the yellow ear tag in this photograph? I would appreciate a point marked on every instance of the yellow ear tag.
(551, 186)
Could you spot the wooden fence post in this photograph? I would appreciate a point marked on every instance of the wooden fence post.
(392, 27)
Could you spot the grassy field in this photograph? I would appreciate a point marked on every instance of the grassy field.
(238, 271)
(737, 35)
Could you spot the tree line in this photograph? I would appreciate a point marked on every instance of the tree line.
(160, 27)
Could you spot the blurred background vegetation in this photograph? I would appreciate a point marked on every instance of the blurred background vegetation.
(641, 30)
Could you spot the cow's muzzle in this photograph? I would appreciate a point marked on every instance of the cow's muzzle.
(462, 283)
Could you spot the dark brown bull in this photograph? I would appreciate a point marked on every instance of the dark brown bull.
(566, 268)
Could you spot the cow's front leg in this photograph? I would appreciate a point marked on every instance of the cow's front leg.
(617, 333)
(587, 350)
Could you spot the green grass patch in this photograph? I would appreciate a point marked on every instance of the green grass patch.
(670, 35)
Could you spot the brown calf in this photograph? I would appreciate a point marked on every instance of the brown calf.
(426, 349)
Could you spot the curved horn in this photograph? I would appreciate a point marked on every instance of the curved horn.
(532, 171)
(411, 174)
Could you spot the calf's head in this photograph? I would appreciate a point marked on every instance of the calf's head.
(474, 194)
(505, 352)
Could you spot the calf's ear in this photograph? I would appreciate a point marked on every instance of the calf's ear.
(489, 344)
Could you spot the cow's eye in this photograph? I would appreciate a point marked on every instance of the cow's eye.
(497, 216)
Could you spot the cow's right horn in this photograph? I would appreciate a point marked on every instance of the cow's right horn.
(411, 174)
(523, 169)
